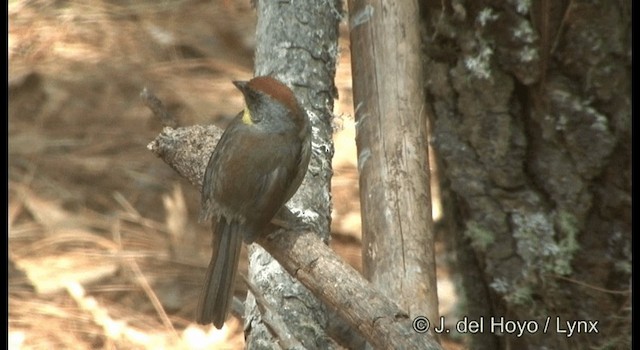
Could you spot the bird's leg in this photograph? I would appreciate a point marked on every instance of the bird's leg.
(284, 218)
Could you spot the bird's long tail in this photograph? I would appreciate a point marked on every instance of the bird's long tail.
(217, 290)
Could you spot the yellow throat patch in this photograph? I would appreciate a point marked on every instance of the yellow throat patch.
(246, 116)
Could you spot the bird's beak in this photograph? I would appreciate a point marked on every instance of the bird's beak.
(241, 85)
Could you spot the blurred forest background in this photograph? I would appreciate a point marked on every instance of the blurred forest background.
(104, 246)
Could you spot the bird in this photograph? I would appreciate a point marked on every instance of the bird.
(256, 167)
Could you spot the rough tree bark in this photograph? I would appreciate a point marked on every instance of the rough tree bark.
(391, 135)
(297, 41)
(532, 111)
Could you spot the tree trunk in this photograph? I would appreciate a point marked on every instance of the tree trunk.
(298, 43)
(391, 135)
(532, 114)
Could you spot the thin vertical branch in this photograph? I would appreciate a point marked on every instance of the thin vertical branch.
(398, 246)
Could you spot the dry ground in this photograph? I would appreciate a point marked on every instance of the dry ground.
(105, 249)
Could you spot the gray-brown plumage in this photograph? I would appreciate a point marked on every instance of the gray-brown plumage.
(256, 167)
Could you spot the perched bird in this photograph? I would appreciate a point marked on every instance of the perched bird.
(255, 168)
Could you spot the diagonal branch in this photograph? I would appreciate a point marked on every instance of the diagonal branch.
(305, 256)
